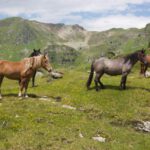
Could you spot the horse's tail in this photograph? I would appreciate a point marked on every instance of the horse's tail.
(90, 76)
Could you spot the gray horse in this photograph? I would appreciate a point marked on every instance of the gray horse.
(120, 66)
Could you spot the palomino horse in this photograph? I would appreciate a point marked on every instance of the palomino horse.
(23, 70)
(145, 66)
(34, 53)
(120, 66)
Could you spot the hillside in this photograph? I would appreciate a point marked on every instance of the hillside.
(44, 122)
(19, 36)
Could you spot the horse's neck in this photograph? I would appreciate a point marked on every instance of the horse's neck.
(132, 58)
(36, 62)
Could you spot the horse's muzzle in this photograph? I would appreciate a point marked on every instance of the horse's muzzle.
(145, 62)
(49, 70)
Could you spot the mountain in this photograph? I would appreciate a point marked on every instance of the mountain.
(67, 43)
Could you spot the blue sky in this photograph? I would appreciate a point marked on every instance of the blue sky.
(95, 15)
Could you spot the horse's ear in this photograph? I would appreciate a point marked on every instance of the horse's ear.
(34, 50)
(39, 50)
(143, 50)
(45, 53)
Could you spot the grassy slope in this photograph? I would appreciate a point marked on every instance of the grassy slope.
(19, 36)
(41, 125)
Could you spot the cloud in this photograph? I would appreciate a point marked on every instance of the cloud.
(117, 21)
(55, 11)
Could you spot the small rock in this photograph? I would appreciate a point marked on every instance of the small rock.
(44, 96)
(56, 75)
(68, 107)
(80, 135)
(44, 99)
(17, 116)
(99, 139)
(39, 74)
(147, 74)
(143, 126)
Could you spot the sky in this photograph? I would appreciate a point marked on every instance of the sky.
(93, 15)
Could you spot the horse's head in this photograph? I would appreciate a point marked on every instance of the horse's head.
(35, 52)
(45, 63)
(141, 56)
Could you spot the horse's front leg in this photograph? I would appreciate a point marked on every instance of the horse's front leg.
(33, 79)
(123, 81)
(96, 80)
(20, 90)
(142, 69)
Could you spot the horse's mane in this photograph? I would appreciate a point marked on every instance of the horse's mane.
(32, 62)
(131, 55)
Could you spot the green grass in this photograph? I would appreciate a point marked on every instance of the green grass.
(35, 124)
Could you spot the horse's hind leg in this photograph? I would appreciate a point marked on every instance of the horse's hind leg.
(99, 81)
(96, 81)
(22, 86)
(1, 80)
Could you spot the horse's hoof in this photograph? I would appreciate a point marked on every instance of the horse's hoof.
(34, 85)
(97, 90)
(120, 88)
(26, 96)
(19, 95)
(103, 87)
(88, 88)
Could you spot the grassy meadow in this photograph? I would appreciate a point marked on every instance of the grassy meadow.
(42, 123)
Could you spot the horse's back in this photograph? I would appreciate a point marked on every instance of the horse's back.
(10, 69)
(99, 64)
(109, 66)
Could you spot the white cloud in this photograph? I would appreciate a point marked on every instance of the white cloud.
(118, 21)
(55, 11)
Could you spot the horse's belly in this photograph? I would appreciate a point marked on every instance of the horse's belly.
(13, 76)
(113, 71)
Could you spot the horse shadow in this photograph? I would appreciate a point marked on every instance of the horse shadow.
(34, 97)
(16, 95)
(115, 87)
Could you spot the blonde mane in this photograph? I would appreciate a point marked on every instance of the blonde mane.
(32, 63)
(37, 62)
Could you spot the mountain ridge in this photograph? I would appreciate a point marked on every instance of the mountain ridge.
(19, 36)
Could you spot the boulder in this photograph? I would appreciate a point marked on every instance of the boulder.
(56, 74)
